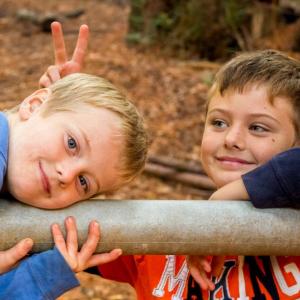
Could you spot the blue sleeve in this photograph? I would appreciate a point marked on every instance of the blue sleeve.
(3, 146)
(41, 276)
(276, 183)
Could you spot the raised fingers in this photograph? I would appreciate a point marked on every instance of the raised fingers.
(59, 43)
(81, 45)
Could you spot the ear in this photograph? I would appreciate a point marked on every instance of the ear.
(32, 103)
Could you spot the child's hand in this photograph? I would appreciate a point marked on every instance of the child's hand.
(199, 266)
(10, 257)
(63, 66)
(83, 259)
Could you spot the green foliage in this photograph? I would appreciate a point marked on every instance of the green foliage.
(163, 22)
(134, 38)
(136, 19)
(235, 12)
(207, 28)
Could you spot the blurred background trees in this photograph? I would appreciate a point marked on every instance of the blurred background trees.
(214, 29)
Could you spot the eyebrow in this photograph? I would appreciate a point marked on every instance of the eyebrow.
(257, 115)
(87, 142)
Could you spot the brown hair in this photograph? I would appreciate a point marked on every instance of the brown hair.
(75, 89)
(279, 73)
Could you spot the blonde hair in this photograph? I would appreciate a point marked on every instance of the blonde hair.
(279, 73)
(76, 89)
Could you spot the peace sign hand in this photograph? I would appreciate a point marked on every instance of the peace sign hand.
(63, 66)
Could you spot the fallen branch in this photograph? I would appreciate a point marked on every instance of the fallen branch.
(191, 166)
(200, 181)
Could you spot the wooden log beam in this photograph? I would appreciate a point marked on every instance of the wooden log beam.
(163, 226)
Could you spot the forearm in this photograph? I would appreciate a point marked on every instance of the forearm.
(232, 191)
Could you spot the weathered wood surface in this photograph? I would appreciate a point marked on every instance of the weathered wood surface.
(163, 226)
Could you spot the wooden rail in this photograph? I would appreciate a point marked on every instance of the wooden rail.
(163, 226)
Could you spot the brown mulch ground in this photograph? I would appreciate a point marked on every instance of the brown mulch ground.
(169, 93)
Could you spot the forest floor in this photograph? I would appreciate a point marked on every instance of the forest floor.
(170, 93)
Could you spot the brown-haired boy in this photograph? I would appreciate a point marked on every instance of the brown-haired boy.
(252, 115)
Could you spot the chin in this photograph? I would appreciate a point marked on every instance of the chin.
(224, 179)
(22, 197)
(220, 182)
(15, 194)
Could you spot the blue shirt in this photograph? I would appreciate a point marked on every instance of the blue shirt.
(42, 276)
(3, 147)
(276, 183)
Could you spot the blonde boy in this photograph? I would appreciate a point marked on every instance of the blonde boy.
(68, 142)
(63, 66)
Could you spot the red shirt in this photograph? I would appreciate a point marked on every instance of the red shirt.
(166, 277)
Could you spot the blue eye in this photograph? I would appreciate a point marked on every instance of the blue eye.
(83, 182)
(72, 143)
(258, 128)
(219, 123)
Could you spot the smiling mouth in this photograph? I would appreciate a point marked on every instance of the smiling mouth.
(45, 181)
(233, 163)
(226, 159)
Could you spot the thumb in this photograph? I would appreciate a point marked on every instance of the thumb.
(217, 265)
(12, 256)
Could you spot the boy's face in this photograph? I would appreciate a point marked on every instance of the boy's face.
(243, 131)
(63, 158)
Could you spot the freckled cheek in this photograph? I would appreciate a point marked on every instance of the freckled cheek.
(264, 152)
(274, 146)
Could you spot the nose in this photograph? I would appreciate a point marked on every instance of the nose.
(67, 172)
(235, 138)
